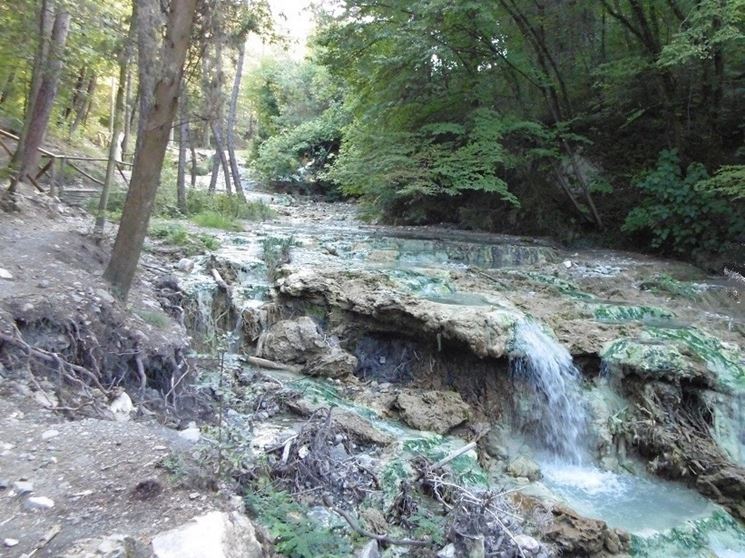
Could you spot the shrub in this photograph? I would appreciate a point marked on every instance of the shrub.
(679, 216)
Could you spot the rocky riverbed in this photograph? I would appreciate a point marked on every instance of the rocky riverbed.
(369, 390)
(415, 331)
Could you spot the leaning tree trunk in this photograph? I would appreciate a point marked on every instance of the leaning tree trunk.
(42, 53)
(117, 115)
(41, 109)
(220, 161)
(183, 141)
(156, 119)
(232, 111)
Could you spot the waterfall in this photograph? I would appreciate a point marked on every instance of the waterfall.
(552, 410)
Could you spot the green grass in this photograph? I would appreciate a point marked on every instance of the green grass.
(176, 234)
(214, 220)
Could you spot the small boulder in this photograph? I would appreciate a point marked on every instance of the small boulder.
(122, 407)
(5, 274)
(214, 534)
(49, 434)
(524, 467)
(447, 551)
(186, 265)
(10, 543)
(190, 433)
(370, 550)
(435, 411)
(292, 341)
(337, 363)
(39, 503)
(23, 487)
(528, 545)
(575, 535)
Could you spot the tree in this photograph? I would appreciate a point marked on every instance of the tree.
(117, 116)
(160, 71)
(42, 94)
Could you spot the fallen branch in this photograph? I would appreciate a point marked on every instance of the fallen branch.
(270, 364)
(385, 539)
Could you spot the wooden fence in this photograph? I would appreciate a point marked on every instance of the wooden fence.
(57, 163)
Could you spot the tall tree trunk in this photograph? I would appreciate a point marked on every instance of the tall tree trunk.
(42, 51)
(155, 125)
(117, 115)
(84, 107)
(183, 141)
(232, 112)
(127, 114)
(194, 162)
(41, 109)
(77, 94)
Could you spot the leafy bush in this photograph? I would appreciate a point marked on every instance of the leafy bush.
(299, 155)
(678, 215)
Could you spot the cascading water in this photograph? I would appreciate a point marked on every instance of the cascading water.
(554, 412)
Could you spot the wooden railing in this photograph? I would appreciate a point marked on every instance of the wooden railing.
(57, 162)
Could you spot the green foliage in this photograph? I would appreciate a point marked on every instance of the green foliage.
(678, 216)
(729, 181)
(295, 535)
(200, 201)
(300, 117)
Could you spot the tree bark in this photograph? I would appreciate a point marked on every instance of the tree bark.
(155, 124)
(232, 112)
(183, 141)
(41, 108)
(117, 115)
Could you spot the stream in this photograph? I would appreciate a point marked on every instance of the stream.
(553, 348)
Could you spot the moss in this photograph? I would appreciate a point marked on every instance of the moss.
(728, 363)
(660, 349)
(664, 283)
(699, 538)
(465, 468)
(624, 313)
(560, 285)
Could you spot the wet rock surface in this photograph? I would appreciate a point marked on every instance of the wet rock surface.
(433, 411)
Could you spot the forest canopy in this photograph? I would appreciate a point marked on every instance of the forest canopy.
(543, 117)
